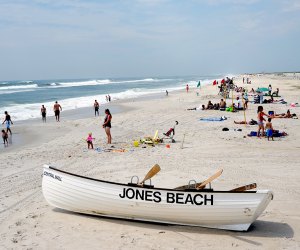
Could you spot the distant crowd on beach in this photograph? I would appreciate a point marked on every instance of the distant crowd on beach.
(241, 102)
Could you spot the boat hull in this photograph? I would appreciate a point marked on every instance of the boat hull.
(213, 209)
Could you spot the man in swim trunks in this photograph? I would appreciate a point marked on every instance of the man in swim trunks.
(8, 122)
(96, 107)
(57, 108)
(43, 112)
(222, 105)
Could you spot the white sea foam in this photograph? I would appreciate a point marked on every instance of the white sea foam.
(26, 82)
(5, 92)
(78, 84)
(101, 82)
(29, 86)
(30, 111)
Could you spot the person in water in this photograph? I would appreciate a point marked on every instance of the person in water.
(57, 108)
(5, 137)
(43, 112)
(89, 141)
(96, 107)
(8, 122)
(107, 125)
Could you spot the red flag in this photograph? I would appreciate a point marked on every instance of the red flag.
(215, 82)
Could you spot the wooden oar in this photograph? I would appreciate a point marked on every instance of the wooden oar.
(153, 171)
(244, 188)
(210, 179)
(201, 184)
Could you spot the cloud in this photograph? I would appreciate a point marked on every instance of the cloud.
(291, 5)
(229, 2)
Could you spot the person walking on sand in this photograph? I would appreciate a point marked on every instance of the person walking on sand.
(8, 122)
(187, 88)
(5, 137)
(261, 119)
(96, 107)
(43, 112)
(57, 108)
(107, 125)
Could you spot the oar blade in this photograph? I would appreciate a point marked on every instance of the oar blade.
(210, 179)
(153, 171)
(244, 188)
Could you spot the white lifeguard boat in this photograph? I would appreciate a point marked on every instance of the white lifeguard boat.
(206, 208)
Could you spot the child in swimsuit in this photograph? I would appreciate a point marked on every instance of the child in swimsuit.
(269, 129)
(89, 141)
(261, 119)
(5, 137)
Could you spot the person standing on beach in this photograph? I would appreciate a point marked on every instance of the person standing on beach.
(5, 137)
(57, 108)
(8, 122)
(187, 88)
(269, 129)
(96, 107)
(261, 119)
(109, 98)
(107, 125)
(270, 89)
(43, 112)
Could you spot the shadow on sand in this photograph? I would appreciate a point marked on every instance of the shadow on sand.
(260, 229)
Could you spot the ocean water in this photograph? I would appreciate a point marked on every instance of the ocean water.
(23, 99)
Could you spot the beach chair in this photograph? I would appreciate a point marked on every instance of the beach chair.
(170, 133)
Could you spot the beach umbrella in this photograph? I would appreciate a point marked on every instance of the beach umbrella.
(262, 90)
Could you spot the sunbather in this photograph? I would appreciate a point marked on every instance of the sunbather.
(287, 115)
(199, 108)
(276, 93)
(252, 122)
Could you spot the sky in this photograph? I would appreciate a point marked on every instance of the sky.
(70, 39)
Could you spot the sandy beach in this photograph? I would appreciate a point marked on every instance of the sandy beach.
(28, 222)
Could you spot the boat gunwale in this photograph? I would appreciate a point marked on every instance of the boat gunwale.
(133, 185)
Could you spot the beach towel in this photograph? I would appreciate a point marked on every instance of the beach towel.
(213, 119)
(276, 133)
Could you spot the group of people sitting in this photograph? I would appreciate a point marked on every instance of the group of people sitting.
(237, 105)
(217, 106)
